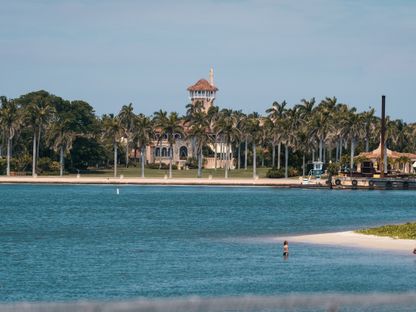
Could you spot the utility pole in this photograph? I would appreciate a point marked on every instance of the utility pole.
(383, 134)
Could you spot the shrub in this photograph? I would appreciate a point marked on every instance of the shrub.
(54, 166)
(275, 173)
(22, 163)
(163, 166)
(44, 164)
(3, 166)
(192, 162)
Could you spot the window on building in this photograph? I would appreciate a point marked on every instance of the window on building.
(183, 153)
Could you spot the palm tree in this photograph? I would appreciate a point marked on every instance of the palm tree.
(304, 139)
(213, 115)
(340, 132)
(159, 119)
(254, 130)
(321, 123)
(144, 132)
(194, 108)
(199, 133)
(10, 121)
(228, 131)
(240, 119)
(113, 129)
(38, 113)
(60, 137)
(272, 137)
(369, 121)
(354, 125)
(292, 123)
(172, 127)
(275, 114)
(127, 118)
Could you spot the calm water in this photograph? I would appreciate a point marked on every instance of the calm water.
(86, 242)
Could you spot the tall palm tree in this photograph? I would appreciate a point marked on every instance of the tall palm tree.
(369, 121)
(199, 132)
(60, 137)
(355, 130)
(113, 129)
(226, 127)
(159, 119)
(240, 119)
(254, 130)
(10, 121)
(292, 123)
(38, 113)
(127, 118)
(276, 114)
(304, 139)
(192, 110)
(213, 115)
(340, 132)
(144, 132)
(321, 123)
(172, 127)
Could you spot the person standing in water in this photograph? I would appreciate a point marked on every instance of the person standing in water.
(285, 249)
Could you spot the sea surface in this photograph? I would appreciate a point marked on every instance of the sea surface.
(69, 243)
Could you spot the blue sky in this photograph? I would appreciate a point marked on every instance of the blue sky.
(111, 53)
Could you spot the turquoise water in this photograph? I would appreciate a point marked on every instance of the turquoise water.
(86, 242)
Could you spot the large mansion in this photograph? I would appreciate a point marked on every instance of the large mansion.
(158, 151)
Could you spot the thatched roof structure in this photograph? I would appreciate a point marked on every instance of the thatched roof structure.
(376, 154)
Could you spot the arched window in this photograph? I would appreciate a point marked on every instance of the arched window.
(164, 152)
(157, 151)
(183, 153)
(178, 136)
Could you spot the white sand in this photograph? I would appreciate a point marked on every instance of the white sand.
(352, 239)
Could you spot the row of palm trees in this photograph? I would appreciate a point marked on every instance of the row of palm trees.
(307, 130)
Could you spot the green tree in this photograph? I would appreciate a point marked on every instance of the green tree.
(199, 132)
(10, 122)
(127, 119)
(226, 127)
(159, 120)
(113, 129)
(292, 123)
(254, 131)
(60, 136)
(143, 134)
(276, 114)
(172, 127)
(39, 110)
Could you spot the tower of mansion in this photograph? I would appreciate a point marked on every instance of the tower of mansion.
(204, 91)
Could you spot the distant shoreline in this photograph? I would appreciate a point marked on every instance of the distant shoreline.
(355, 240)
(154, 181)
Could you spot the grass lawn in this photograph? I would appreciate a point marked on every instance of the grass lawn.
(191, 173)
(403, 231)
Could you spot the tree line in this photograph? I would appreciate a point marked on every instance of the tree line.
(40, 132)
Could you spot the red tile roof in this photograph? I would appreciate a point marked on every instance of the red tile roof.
(202, 85)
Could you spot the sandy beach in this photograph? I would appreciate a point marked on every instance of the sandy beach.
(152, 181)
(352, 239)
